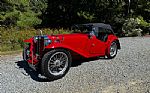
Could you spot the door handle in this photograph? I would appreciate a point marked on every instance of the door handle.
(93, 44)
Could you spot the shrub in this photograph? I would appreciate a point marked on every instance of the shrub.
(12, 38)
(143, 25)
(130, 27)
(135, 26)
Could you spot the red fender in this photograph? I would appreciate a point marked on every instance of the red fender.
(111, 38)
(60, 45)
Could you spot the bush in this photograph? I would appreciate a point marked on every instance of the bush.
(22, 13)
(135, 26)
(130, 27)
(143, 25)
(12, 38)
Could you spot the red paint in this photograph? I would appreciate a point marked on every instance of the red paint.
(79, 43)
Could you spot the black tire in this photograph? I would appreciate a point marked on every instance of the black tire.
(24, 54)
(48, 59)
(115, 50)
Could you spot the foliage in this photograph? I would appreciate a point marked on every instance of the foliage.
(30, 13)
(86, 15)
(21, 13)
(130, 27)
(135, 26)
(127, 18)
(12, 38)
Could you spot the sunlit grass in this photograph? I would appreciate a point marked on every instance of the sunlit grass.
(12, 38)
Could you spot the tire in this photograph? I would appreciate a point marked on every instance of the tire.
(24, 54)
(56, 63)
(112, 50)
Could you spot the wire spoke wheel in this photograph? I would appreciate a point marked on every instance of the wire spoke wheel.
(113, 49)
(58, 63)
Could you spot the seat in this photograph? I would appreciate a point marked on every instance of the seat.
(102, 36)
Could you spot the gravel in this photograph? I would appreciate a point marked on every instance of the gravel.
(128, 72)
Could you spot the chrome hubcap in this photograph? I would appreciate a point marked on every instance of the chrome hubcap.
(113, 49)
(58, 63)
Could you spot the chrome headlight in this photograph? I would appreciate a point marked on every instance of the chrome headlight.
(35, 39)
(47, 41)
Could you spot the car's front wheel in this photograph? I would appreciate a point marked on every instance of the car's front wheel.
(112, 50)
(56, 63)
(26, 52)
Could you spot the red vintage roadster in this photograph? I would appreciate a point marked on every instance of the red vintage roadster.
(53, 54)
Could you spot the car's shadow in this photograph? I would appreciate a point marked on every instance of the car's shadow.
(35, 75)
(78, 62)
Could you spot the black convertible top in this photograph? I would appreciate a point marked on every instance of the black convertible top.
(102, 25)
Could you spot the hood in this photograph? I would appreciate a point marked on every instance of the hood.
(69, 38)
(68, 35)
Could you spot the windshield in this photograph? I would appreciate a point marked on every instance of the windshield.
(81, 28)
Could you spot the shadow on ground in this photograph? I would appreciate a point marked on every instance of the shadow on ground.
(29, 71)
(78, 62)
(35, 75)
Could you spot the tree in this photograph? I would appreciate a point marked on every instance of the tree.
(22, 13)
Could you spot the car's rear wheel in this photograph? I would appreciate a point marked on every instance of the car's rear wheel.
(112, 50)
(56, 63)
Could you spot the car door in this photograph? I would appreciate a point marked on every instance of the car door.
(97, 46)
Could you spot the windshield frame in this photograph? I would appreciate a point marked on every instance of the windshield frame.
(85, 29)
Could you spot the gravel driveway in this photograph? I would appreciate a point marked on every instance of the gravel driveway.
(129, 72)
